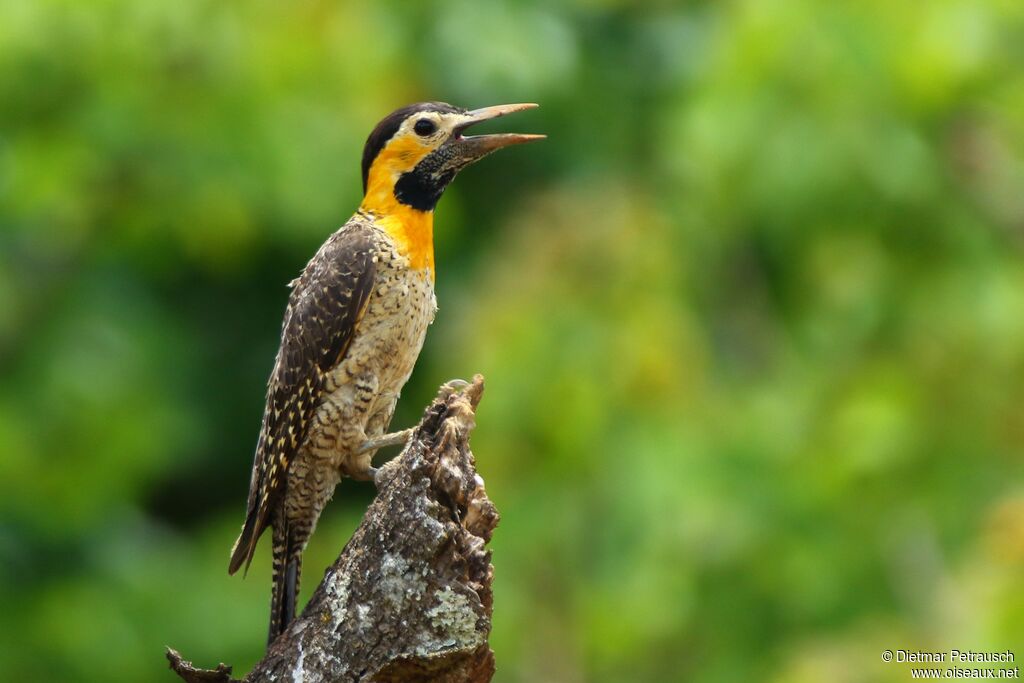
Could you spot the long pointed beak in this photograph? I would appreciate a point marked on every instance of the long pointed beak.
(473, 147)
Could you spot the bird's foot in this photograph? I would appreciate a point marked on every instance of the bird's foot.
(394, 439)
(452, 386)
(368, 473)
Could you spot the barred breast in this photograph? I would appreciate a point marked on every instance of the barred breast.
(363, 390)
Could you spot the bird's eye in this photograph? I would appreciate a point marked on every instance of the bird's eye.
(424, 127)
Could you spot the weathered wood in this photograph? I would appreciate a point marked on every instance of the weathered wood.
(409, 598)
(222, 674)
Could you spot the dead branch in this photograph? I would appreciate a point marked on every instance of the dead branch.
(409, 598)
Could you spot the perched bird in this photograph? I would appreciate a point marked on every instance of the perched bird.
(353, 328)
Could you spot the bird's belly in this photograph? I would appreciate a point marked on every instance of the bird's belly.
(393, 329)
(364, 388)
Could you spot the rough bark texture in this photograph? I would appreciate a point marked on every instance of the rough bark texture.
(409, 599)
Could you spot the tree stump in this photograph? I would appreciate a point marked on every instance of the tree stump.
(409, 598)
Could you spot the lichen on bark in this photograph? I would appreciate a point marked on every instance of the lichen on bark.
(409, 598)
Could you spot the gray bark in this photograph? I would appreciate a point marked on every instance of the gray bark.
(409, 598)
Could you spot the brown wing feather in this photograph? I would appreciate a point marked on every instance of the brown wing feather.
(324, 308)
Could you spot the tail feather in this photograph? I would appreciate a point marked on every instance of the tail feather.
(243, 549)
(287, 570)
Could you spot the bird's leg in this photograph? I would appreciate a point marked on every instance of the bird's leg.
(368, 473)
(399, 438)
(360, 467)
(393, 439)
(365, 471)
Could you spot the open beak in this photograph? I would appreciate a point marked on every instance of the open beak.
(473, 147)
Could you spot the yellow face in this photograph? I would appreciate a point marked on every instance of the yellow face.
(411, 157)
(419, 135)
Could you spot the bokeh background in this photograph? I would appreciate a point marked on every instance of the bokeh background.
(752, 321)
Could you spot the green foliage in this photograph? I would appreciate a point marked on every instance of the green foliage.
(752, 320)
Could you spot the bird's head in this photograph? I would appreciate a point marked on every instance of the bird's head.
(412, 155)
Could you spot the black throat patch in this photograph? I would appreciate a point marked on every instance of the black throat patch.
(422, 187)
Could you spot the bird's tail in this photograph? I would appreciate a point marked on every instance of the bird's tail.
(242, 551)
(287, 568)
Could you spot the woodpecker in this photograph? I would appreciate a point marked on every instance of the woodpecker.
(352, 331)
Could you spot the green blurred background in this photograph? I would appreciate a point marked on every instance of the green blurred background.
(752, 321)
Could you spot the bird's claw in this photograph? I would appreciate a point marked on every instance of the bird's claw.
(453, 386)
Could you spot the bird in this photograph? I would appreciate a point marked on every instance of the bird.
(353, 329)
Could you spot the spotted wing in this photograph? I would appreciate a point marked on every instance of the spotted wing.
(320, 322)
